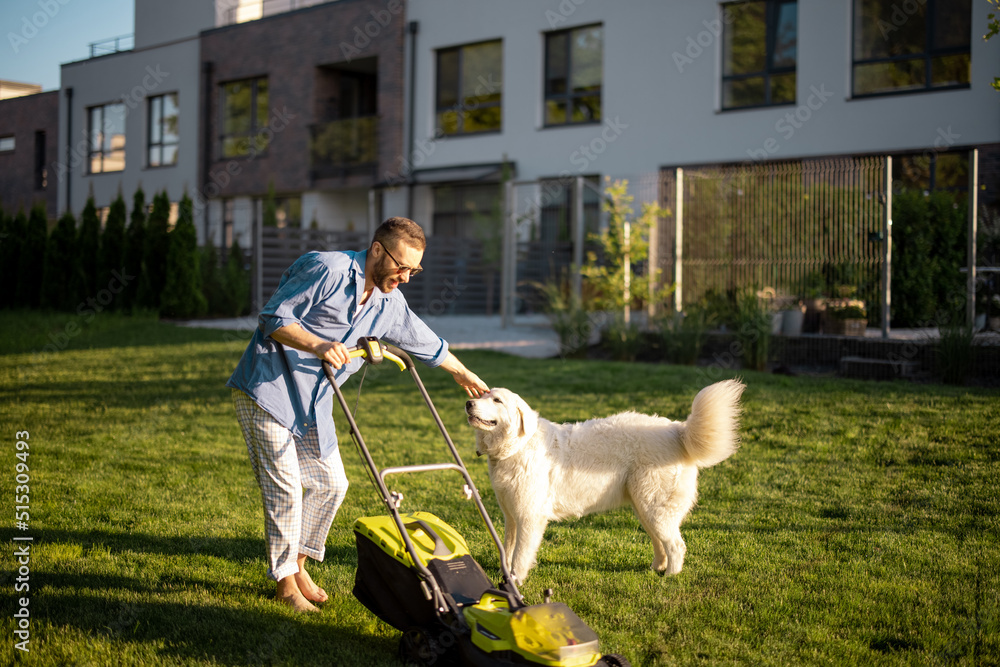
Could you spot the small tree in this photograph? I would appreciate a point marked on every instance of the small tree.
(61, 266)
(154, 253)
(211, 278)
(32, 258)
(616, 286)
(113, 248)
(182, 297)
(236, 282)
(88, 248)
(9, 246)
(135, 241)
(17, 230)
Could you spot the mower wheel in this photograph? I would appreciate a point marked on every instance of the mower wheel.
(417, 647)
(614, 660)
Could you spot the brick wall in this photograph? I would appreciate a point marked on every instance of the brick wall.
(288, 48)
(22, 117)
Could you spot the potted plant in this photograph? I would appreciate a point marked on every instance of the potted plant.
(845, 317)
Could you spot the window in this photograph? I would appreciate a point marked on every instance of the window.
(163, 131)
(6, 144)
(558, 203)
(470, 88)
(759, 53)
(574, 75)
(107, 138)
(467, 211)
(245, 114)
(901, 47)
(41, 172)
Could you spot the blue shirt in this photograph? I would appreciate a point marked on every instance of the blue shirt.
(322, 293)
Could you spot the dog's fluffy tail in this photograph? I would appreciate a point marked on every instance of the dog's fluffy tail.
(711, 430)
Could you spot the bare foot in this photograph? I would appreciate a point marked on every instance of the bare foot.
(296, 602)
(308, 588)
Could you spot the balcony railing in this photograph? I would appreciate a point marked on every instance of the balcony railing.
(112, 45)
(343, 147)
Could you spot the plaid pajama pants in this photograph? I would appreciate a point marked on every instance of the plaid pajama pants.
(301, 491)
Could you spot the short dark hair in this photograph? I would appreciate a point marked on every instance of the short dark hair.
(396, 230)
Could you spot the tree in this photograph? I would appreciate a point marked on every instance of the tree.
(182, 297)
(211, 278)
(113, 248)
(154, 253)
(61, 266)
(18, 230)
(135, 241)
(31, 259)
(88, 248)
(9, 245)
(236, 282)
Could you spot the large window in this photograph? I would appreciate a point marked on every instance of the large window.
(574, 75)
(470, 88)
(556, 214)
(107, 138)
(163, 131)
(468, 211)
(908, 46)
(7, 144)
(759, 53)
(41, 171)
(245, 114)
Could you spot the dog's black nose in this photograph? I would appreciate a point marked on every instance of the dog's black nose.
(468, 405)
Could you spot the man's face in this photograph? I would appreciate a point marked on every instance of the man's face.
(386, 274)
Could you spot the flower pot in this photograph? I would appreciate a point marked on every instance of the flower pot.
(848, 327)
(776, 323)
(792, 320)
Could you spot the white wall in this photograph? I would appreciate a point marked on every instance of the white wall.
(345, 210)
(159, 22)
(658, 112)
(131, 77)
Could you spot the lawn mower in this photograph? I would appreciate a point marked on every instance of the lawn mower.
(415, 573)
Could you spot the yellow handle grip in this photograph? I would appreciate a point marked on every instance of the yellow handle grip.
(361, 352)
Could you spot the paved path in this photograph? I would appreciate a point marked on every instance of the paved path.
(530, 336)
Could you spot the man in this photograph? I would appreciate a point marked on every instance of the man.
(324, 303)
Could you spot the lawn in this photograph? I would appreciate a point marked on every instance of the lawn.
(857, 524)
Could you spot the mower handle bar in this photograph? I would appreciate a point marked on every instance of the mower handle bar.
(423, 467)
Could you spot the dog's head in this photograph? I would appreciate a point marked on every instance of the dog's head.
(503, 422)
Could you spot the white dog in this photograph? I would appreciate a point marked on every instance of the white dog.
(544, 472)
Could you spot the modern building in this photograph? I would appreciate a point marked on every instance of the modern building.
(596, 88)
(28, 129)
(130, 118)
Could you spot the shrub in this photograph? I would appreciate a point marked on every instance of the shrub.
(753, 329)
(683, 335)
(61, 266)
(236, 283)
(182, 297)
(954, 359)
(929, 247)
(113, 248)
(568, 317)
(154, 254)
(135, 242)
(211, 278)
(32, 259)
(88, 248)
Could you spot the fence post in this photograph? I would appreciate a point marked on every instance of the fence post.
(506, 280)
(577, 278)
(887, 247)
(678, 239)
(653, 262)
(973, 223)
(258, 265)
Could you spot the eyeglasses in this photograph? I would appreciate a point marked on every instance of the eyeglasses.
(400, 269)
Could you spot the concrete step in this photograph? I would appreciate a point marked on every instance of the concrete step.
(864, 368)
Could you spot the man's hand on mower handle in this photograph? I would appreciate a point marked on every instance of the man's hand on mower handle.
(336, 353)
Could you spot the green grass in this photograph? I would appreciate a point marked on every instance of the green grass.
(858, 524)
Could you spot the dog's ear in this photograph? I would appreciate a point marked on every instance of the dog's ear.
(527, 418)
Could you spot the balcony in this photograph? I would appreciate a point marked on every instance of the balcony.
(343, 148)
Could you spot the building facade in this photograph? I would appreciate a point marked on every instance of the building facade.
(28, 147)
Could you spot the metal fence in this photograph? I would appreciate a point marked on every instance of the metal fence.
(802, 228)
